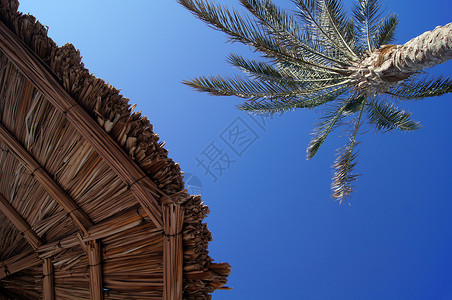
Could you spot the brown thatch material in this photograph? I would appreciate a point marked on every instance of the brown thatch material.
(74, 222)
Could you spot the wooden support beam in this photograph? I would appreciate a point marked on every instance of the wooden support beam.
(51, 186)
(48, 285)
(114, 225)
(173, 220)
(18, 263)
(106, 228)
(94, 253)
(11, 213)
(39, 74)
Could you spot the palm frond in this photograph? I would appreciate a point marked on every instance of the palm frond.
(247, 31)
(267, 72)
(238, 28)
(256, 89)
(385, 116)
(367, 15)
(293, 71)
(279, 106)
(335, 21)
(326, 21)
(422, 88)
(354, 105)
(243, 88)
(386, 31)
(257, 69)
(345, 163)
(285, 29)
(330, 122)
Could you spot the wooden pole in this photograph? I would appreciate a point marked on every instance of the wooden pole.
(52, 187)
(93, 249)
(173, 219)
(39, 74)
(48, 286)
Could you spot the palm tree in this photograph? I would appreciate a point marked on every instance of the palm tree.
(318, 56)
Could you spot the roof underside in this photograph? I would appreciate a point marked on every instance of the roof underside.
(61, 195)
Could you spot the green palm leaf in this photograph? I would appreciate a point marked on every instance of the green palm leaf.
(326, 22)
(257, 69)
(267, 72)
(255, 89)
(366, 13)
(309, 74)
(354, 105)
(334, 19)
(330, 122)
(247, 31)
(283, 27)
(280, 106)
(387, 117)
(422, 88)
(345, 163)
(238, 28)
(243, 88)
(386, 31)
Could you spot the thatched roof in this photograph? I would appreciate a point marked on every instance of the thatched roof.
(90, 204)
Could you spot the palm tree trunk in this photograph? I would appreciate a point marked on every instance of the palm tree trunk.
(427, 50)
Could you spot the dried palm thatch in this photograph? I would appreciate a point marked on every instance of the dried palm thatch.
(91, 207)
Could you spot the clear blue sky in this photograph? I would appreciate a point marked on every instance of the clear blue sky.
(271, 214)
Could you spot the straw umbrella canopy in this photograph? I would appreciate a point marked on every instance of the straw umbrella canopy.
(91, 207)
